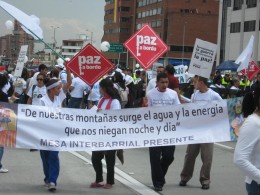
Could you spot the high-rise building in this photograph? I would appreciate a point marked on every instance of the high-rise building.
(177, 22)
(11, 43)
(242, 21)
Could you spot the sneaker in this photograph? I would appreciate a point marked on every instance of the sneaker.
(182, 183)
(96, 184)
(107, 186)
(2, 170)
(46, 184)
(205, 186)
(52, 187)
(157, 188)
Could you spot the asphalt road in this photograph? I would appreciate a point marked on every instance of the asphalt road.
(134, 177)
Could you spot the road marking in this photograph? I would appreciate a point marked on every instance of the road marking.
(122, 177)
(224, 146)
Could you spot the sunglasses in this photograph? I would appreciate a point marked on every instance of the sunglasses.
(39, 79)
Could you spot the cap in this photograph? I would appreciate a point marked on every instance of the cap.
(61, 66)
(227, 72)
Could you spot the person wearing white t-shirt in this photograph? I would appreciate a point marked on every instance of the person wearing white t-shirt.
(161, 157)
(247, 151)
(94, 95)
(202, 93)
(42, 69)
(152, 82)
(38, 91)
(77, 89)
(56, 93)
(109, 101)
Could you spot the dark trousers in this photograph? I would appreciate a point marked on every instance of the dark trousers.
(110, 157)
(51, 165)
(253, 188)
(74, 102)
(160, 160)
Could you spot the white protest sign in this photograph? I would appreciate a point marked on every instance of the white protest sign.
(20, 61)
(180, 73)
(203, 57)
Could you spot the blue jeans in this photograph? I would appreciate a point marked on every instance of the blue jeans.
(51, 165)
(253, 188)
(1, 155)
(74, 102)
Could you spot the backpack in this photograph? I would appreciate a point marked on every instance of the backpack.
(132, 95)
(123, 95)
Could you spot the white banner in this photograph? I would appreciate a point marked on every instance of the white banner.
(203, 57)
(77, 130)
(20, 62)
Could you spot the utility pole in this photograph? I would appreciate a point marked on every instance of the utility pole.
(91, 36)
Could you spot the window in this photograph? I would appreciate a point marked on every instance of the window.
(159, 10)
(235, 27)
(159, 23)
(124, 9)
(249, 26)
(180, 48)
(110, 11)
(124, 30)
(154, 11)
(153, 24)
(251, 3)
(124, 19)
(108, 2)
(140, 3)
(138, 26)
(237, 4)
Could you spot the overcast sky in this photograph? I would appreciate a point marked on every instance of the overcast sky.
(73, 17)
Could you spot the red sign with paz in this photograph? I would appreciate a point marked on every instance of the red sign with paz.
(252, 70)
(146, 46)
(90, 65)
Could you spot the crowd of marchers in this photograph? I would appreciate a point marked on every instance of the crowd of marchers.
(121, 89)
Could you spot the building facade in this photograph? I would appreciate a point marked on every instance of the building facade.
(71, 46)
(178, 23)
(10, 44)
(243, 19)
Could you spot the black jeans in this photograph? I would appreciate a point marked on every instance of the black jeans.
(110, 157)
(160, 158)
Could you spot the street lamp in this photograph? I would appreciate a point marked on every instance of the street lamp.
(54, 35)
(55, 42)
(91, 35)
(183, 41)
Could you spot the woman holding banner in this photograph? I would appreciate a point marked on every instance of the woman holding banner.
(109, 101)
(247, 152)
(56, 93)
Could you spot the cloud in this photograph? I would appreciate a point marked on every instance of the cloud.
(69, 29)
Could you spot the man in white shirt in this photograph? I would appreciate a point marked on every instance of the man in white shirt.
(202, 93)
(152, 82)
(161, 157)
(77, 89)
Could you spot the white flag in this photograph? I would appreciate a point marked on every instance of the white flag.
(29, 22)
(245, 57)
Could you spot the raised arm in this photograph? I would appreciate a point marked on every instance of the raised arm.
(66, 86)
